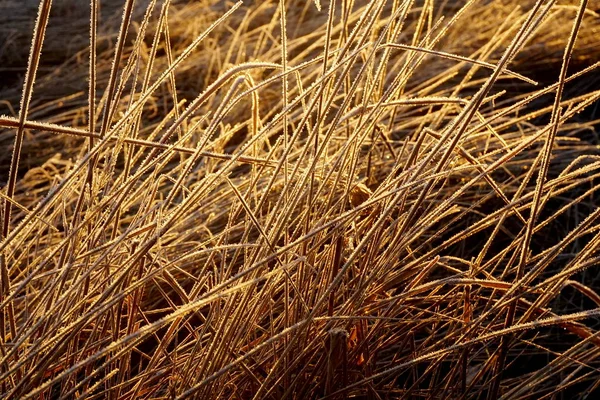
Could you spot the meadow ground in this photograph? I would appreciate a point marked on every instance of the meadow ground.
(298, 199)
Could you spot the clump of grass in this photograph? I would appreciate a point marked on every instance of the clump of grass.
(296, 199)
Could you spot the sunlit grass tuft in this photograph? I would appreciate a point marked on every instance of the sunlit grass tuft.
(299, 199)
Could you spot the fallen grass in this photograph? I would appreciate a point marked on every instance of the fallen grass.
(296, 199)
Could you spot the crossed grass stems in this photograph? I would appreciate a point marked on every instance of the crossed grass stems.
(343, 209)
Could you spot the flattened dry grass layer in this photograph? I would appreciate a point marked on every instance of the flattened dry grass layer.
(299, 199)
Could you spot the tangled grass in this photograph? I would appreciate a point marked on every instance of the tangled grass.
(295, 199)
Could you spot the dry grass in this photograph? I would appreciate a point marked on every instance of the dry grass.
(295, 199)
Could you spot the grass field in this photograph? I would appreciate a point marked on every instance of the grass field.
(299, 199)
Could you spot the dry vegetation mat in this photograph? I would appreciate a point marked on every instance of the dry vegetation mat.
(298, 199)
